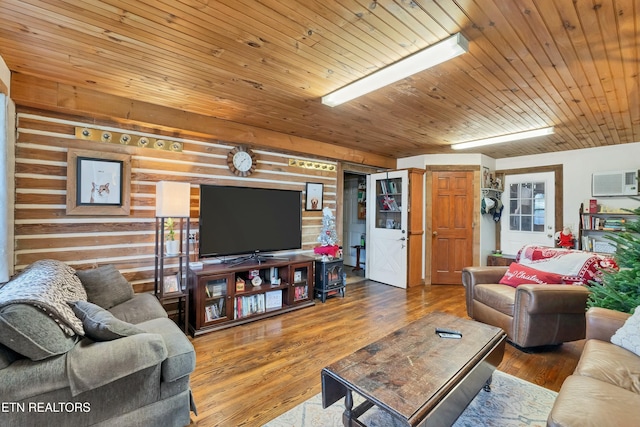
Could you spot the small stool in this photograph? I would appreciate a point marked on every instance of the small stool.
(357, 248)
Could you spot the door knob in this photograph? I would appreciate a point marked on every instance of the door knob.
(435, 233)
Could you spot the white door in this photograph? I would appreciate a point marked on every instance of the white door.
(388, 196)
(528, 216)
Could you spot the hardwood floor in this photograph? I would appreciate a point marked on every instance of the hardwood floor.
(250, 374)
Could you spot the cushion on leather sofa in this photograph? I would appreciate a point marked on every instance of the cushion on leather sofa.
(105, 286)
(499, 297)
(611, 364)
(588, 402)
(29, 331)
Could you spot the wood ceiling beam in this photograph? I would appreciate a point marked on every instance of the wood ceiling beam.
(34, 92)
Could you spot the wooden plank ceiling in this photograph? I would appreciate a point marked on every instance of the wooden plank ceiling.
(267, 63)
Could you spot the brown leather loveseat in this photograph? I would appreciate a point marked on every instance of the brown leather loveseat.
(604, 389)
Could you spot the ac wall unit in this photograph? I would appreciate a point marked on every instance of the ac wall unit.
(616, 183)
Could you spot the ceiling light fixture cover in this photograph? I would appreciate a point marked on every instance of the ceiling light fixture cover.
(429, 57)
(503, 138)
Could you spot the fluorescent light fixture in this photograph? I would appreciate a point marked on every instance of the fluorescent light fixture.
(503, 138)
(429, 57)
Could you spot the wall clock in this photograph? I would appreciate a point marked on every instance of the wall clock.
(241, 161)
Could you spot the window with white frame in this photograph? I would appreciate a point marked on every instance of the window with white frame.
(527, 206)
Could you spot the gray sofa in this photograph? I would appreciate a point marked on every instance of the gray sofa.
(79, 348)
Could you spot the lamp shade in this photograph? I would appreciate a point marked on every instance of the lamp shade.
(173, 199)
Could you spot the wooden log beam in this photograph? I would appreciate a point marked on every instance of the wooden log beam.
(35, 92)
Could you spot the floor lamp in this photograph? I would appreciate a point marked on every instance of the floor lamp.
(173, 202)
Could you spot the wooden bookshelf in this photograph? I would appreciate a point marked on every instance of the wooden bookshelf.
(595, 226)
(224, 295)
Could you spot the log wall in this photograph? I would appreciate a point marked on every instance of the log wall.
(44, 230)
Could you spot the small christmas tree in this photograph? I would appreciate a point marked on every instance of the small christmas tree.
(328, 235)
(620, 289)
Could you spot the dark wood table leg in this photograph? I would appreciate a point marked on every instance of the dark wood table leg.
(351, 414)
(487, 385)
(357, 267)
(348, 406)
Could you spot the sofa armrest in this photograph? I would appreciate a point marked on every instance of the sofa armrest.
(25, 378)
(472, 276)
(548, 314)
(93, 364)
(602, 323)
(540, 299)
(181, 356)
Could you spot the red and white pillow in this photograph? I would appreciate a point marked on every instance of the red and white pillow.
(519, 274)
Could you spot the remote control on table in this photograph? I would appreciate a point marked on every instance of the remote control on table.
(447, 335)
(448, 331)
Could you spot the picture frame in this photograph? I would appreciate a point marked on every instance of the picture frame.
(98, 183)
(297, 276)
(171, 284)
(486, 177)
(314, 194)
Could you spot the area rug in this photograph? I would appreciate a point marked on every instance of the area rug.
(511, 402)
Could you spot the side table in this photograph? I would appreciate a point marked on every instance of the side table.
(357, 248)
(500, 260)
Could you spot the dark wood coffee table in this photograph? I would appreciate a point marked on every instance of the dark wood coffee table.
(416, 376)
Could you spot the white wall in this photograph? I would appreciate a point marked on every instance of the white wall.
(7, 144)
(578, 166)
(5, 74)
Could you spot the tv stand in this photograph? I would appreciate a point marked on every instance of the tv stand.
(224, 295)
(257, 258)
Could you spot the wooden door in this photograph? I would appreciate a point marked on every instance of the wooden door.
(387, 204)
(452, 225)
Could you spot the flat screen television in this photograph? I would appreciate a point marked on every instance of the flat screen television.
(248, 221)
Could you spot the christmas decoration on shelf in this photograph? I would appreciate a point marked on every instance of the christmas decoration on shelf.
(328, 236)
(619, 289)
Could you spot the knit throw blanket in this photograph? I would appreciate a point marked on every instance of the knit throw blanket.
(49, 285)
(576, 267)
